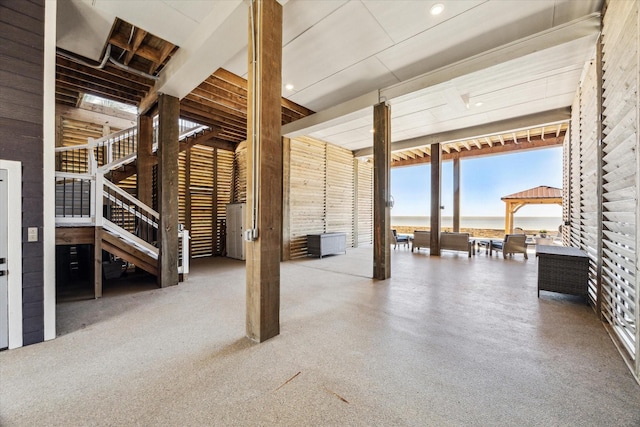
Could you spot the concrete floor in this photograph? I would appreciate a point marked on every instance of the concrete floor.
(449, 341)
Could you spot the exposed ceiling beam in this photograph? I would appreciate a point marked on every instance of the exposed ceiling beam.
(480, 131)
(360, 106)
(510, 147)
(220, 36)
(353, 109)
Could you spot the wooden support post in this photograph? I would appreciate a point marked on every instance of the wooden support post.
(436, 186)
(456, 193)
(286, 199)
(145, 160)
(97, 265)
(381, 191)
(168, 150)
(508, 218)
(264, 170)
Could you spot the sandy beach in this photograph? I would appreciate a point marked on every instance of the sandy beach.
(475, 232)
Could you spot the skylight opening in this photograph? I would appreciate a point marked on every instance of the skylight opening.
(103, 102)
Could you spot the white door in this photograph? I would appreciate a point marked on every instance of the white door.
(4, 282)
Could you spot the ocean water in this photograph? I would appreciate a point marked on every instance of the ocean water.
(491, 222)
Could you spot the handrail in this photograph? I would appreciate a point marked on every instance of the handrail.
(130, 210)
(72, 175)
(130, 198)
(115, 136)
(131, 238)
(73, 147)
(102, 191)
(117, 163)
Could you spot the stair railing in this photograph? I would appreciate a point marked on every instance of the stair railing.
(85, 198)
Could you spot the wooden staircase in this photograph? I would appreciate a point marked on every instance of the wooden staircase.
(92, 209)
(129, 252)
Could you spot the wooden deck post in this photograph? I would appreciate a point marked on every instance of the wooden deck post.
(381, 191)
(145, 161)
(436, 178)
(168, 149)
(456, 193)
(97, 264)
(264, 170)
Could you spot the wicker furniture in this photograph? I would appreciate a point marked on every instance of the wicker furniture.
(421, 239)
(397, 239)
(448, 241)
(456, 242)
(326, 244)
(562, 269)
(512, 244)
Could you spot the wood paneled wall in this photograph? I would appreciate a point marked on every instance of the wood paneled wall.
(308, 194)
(330, 191)
(340, 196)
(205, 188)
(240, 174)
(603, 178)
(364, 179)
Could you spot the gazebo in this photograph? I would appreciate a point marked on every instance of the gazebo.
(541, 195)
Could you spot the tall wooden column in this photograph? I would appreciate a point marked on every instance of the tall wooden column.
(168, 150)
(144, 161)
(456, 193)
(381, 191)
(264, 170)
(436, 178)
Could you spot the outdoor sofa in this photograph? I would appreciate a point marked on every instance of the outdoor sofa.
(448, 241)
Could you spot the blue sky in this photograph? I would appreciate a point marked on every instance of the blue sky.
(484, 180)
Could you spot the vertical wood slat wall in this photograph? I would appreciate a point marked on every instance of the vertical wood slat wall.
(365, 203)
(308, 194)
(620, 175)
(619, 167)
(328, 193)
(589, 140)
(224, 194)
(240, 174)
(340, 201)
(206, 180)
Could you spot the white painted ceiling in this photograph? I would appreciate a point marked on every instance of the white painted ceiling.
(337, 50)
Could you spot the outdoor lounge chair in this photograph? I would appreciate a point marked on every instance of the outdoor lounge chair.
(512, 244)
(399, 240)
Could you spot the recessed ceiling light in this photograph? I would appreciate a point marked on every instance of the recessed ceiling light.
(479, 104)
(288, 86)
(372, 130)
(437, 9)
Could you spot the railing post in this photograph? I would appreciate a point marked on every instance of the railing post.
(97, 196)
(109, 146)
(92, 163)
(185, 253)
